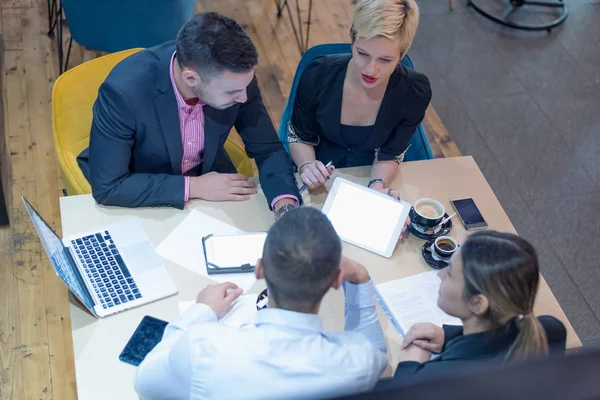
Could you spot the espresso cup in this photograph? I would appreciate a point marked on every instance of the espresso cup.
(445, 246)
(428, 212)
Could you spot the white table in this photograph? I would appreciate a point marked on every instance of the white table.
(98, 343)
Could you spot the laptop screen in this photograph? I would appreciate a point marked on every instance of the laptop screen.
(61, 261)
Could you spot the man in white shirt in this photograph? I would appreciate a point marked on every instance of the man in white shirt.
(285, 353)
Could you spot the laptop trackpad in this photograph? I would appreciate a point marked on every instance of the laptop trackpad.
(141, 257)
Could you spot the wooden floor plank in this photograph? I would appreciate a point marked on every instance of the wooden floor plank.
(11, 378)
(12, 21)
(17, 130)
(45, 170)
(437, 134)
(280, 32)
(7, 4)
(280, 71)
(328, 23)
(265, 73)
(33, 347)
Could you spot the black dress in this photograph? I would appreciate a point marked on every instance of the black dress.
(318, 107)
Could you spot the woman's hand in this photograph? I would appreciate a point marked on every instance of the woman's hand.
(396, 195)
(426, 336)
(393, 193)
(315, 174)
(414, 353)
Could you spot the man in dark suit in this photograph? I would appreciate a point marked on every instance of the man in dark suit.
(162, 117)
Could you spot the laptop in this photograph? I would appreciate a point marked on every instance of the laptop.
(109, 269)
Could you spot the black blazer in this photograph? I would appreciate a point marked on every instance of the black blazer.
(135, 152)
(468, 351)
(318, 109)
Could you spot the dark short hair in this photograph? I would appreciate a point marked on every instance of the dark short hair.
(301, 255)
(211, 43)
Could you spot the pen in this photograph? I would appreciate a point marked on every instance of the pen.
(304, 187)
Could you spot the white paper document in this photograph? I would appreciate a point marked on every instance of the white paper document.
(243, 311)
(183, 246)
(413, 299)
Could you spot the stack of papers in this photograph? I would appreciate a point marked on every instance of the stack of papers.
(183, 246)
(412, 300)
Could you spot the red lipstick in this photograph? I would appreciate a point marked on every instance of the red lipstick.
(369, 79)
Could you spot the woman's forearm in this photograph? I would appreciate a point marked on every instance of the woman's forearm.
(302, 153)
(384, 170)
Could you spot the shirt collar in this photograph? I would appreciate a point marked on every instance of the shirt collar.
(180, 100)
(289, 319)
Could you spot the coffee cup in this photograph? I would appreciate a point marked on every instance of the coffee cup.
(444, 247)
(428, 212)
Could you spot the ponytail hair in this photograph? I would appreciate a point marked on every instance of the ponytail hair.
(504, 268)
(531, 340)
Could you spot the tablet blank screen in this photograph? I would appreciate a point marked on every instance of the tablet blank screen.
(235, 250)
(363, 217)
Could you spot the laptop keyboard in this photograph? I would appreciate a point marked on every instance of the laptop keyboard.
(106, 269)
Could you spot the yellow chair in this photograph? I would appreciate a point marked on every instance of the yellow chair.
(73, 96)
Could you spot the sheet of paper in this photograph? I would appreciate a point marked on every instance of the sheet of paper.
(243, 311)
(414, 299)
(183, 246)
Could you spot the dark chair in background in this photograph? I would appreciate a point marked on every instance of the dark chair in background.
(114, 25)
(555, 9)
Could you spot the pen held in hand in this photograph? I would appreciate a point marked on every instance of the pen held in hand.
(304, 187)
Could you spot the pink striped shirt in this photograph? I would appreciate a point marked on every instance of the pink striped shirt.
(191, 125)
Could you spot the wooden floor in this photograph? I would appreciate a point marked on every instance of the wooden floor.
(36, 355)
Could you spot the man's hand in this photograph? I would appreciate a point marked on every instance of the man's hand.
(425, 335)
(219, 297)
(315, 174)
(221, 187)
(353, 272)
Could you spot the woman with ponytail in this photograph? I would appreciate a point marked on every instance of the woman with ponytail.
(491, 285)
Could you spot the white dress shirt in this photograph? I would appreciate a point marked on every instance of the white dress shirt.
(282, 355)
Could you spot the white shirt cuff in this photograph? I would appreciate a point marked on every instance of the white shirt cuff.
(197, 313)
(362, 295)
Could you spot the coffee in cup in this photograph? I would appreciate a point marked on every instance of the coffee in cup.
(445, 246)
(428, 212)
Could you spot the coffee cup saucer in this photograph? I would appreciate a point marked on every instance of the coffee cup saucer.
(433, 260)
(427, 234)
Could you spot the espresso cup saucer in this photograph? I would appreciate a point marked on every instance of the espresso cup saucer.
(422, 233)
(429, 257)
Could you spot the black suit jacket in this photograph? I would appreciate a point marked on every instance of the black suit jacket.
(469, 351)
(135, 152)
(318, 109)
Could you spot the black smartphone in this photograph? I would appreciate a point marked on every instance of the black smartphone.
(469, 214)
(145, 338)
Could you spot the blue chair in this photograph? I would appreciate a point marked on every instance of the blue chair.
(115, 25)
(419, 149)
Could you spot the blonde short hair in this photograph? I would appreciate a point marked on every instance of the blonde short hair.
(393, 19)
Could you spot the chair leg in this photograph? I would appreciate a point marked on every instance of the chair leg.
(451, 4)
(68, 55)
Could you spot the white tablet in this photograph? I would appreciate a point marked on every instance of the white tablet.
(365, 218)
